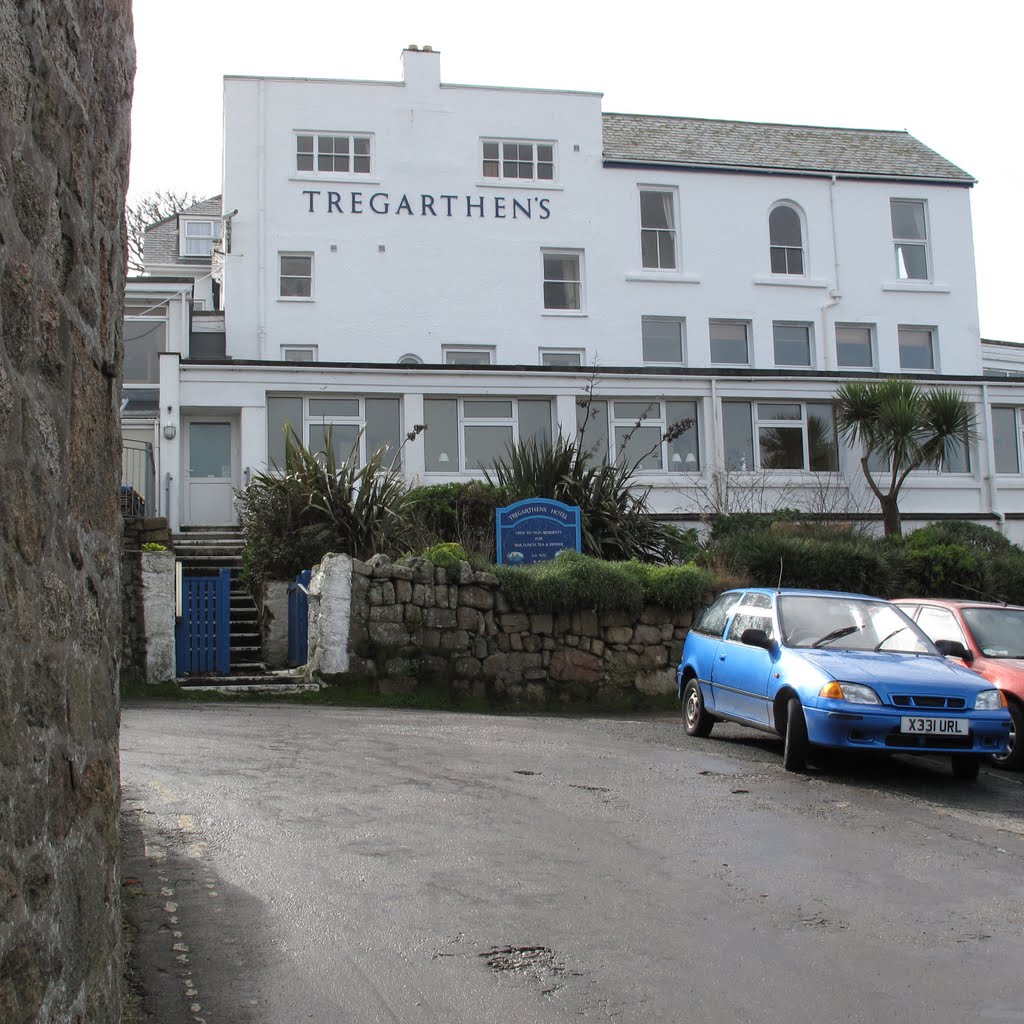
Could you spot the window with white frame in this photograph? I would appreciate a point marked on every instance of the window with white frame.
(355, 426)
(296, 275)
(145, 337)
(468, 355)
(917, 348)
(662, 339)
(730, 342)
(198, 236)
(910, 238)
(332, 155)
(563, 279)
(792, 344)
(955, 458)
(1007, 429)
(785, 239)
(299, 353)
(468, 435)
(854, 345)
(647, 436)
(561, 357)
(657, 229)
(517, 160)
(780, 436)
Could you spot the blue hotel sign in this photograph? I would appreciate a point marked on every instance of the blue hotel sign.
(535, 530)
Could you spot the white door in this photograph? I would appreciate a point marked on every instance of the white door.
(210, 477)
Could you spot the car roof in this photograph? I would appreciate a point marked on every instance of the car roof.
(949, 602)
(800, 592)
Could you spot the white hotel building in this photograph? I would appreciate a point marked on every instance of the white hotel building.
(477, 259)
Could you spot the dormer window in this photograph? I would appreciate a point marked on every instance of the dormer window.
(198, 235)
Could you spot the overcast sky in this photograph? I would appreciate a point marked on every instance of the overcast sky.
(948, 73)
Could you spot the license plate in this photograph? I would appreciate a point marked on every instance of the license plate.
(935, 726)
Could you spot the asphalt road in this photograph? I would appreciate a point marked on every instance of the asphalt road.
(290, 864)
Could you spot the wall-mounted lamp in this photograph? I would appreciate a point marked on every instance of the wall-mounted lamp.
(170, 431)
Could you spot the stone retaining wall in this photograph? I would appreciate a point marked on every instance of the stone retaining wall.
(414, 624)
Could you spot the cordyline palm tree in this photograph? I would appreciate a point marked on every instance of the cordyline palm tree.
(903, 427)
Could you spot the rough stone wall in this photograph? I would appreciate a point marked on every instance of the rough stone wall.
(66, 70)
(137, 532)
(412, 624)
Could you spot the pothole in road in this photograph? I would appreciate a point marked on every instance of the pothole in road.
(535, 960)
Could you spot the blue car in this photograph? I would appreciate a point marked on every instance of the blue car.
(823, 669)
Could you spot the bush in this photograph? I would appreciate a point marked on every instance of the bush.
(942, 570)
(615, 518)
(726, 525)
(770, 559)
(963, 532)
(453, 513)
(446, 556)
(574, 581)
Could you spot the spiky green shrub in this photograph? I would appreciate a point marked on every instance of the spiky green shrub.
(319, 504)
(574, 581)
(615, 516)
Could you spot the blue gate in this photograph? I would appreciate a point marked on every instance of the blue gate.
(298, 620)
(202, 637)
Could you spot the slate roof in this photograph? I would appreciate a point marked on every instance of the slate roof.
(160, 246)
(697, 143)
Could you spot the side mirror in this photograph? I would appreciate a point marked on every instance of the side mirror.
(757, 638)
(954, 649)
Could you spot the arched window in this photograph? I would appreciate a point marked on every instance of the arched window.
(786, 237)
(409, 359)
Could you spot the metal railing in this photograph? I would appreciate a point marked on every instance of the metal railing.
(138, 480)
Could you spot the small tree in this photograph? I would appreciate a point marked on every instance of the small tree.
(901, 427)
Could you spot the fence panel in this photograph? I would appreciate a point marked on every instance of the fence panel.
(203, 634)
(298, 620)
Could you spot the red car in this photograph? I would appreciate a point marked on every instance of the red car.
(993, 639)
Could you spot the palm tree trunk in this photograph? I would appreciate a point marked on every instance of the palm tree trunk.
(891, 515)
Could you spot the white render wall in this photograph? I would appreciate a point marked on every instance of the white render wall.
(411, 282)
(402, 283)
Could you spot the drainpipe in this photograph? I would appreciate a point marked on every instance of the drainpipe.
(990, 461)
(261, 224)
(835, 293)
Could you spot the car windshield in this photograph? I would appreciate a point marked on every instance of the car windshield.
(998, 632)
(853, 624)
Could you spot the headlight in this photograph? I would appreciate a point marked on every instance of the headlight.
(990, 700)
(854, 693)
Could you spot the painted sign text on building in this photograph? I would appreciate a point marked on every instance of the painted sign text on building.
(424, 205)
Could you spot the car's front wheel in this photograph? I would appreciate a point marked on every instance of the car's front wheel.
(696, 720)
(797, 746)
(965, 766)
(1012, 759)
